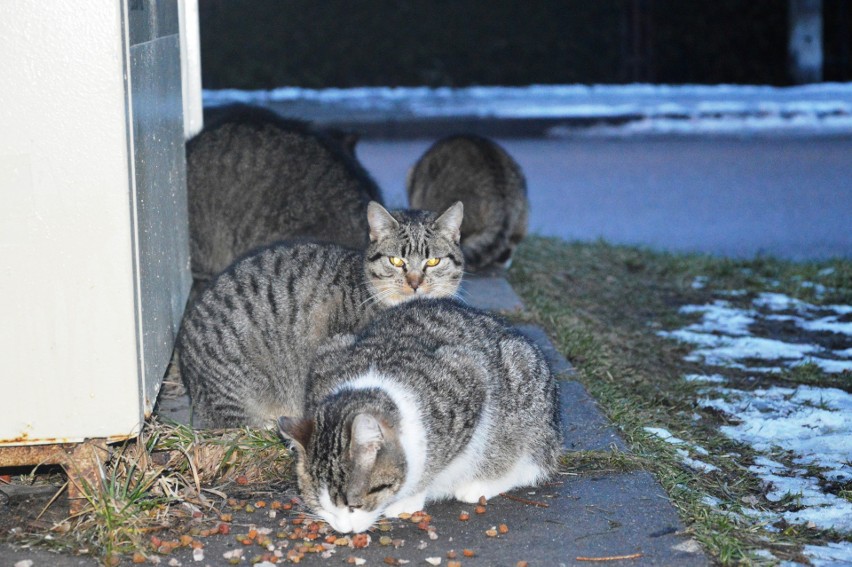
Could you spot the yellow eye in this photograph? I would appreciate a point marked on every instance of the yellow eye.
(432, 262)
(398, 262)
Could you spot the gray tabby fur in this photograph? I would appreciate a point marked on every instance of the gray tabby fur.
(254, 178)
(431, 400)
(483, 176)
(246, 343)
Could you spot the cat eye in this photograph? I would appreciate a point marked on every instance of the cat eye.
(432, 262)
(378, 488)
(397, 262)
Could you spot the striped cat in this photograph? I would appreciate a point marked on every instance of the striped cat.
(254, 178)
(432, 400)
(483, 176)
(245, 344)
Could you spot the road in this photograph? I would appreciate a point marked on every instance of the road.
(789, 197)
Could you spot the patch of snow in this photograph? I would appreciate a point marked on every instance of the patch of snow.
(712, 378)
(700, 282)
(828, 365)
(813, 423)
(665, 435)
(654, 109)
(695, 464)
(720, 317)
(834, 554)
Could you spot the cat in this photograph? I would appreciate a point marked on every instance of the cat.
(432, 400)
(254, 178)
(246, 343)
(483, 176)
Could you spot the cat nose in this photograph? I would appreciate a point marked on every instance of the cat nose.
(414, 279)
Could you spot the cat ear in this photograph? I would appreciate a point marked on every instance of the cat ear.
(449, 223)
(367, 439)
(297, 430)
(382, 224)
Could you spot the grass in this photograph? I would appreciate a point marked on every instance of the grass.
(159, 481)
(602, 306)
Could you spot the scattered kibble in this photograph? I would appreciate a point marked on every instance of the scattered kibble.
(482, 501)
(341, 542)
(360, 541)
(404, 515)
(242, 480)
(451, 554)
(479, 509)
(391, 560)
(226, 517)
(424, 525)
(464, 516)
(521, 564)
(453, 563)
(249, 509)
(468, 552)
(260, 504)
(385, 540)
(138, 558)
(491, 533)
(503, 529)
(185, 540)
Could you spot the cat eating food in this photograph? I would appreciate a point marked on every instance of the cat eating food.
(247, 341)
(431, 400)
(483, 176)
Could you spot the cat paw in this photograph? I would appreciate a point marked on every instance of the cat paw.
(472, 491)
(407, 505)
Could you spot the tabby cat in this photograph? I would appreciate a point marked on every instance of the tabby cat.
(483, 176)
(246, 343)
(432, 400)
(254, 178)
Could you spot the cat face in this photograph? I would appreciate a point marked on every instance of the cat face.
(347, 484)
(413, 254)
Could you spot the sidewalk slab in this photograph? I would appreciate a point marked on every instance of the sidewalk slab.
(490, 293)
(594, 516)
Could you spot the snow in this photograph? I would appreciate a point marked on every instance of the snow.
(690, 462)
(832, 554)
(620, 110)
(815, 424)
(712, 378)
(724, 338)
(808, 427)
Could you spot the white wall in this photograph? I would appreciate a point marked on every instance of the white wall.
(72, 312)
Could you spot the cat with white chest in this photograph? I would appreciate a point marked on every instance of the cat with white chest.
(432, 400)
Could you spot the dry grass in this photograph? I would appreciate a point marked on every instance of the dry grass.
(160, 480)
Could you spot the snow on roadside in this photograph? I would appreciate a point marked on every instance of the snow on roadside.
(808, 427)
(611, 110)
(724, 339)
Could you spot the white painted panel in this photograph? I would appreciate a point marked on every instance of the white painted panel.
(68, 351)
(190, 51)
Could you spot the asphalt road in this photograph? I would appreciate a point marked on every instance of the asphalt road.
(789, 197)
